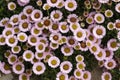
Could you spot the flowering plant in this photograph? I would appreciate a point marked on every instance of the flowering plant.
(60, 39)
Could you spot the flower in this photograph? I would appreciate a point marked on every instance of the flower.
(71, 42)
(4, 21)
(24, 26)
(56, 15)
(7, 32)
(38, 68)
(86, 75)
(108, 13)
(11, 41)
(23, 76)
(32, 40)
(72, 78)
(81, 65)
(62, 76)
(60, 4)
(22, 2)
(99, 18)
(54, 45)
(79, 58)
(78, 73)
(11, 6)
(23, 16)
(39, 2)
(90, 20)
(12, 59)
(40, 47)
(53, 3)
(66, 67)
(117, 7)
(72, 18)
(2, 40)
(80, 34)
(74, 27)
(117, 24)
(63, 27)
(14, 20)
(46, 6)
(110, 64)
(55, 37)
(35, 31)
(70, 5)
(109, 54)
(110, 26)
(39, 56)
(94, 48)
(36, 15)
(28, 10)
(67, 51)
(22, 37)
(53, 61)
(112, 45)
(5, 68)
(99, 31)
(54, 28)
(16, 49)
(28, 55)
(106, 76)
(47, 22)
(18, 68)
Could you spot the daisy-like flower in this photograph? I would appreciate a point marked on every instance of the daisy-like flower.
(28, 55)
(103, 1)
(34, 60)
(79, 58)
(70, 5)
(80, 34)
(54, 62)
(71, 42)
(7, 32)
(99, 31)
(35, 31)
(86, 75)
(55, 27)
(38, 68)
(55, 37)
(9, 25)
(11, 41)
(62, 76)
(83, 46)
(32, 40)
(4, 21)
(39, 25)
(53, 3)
(67, 51)
(60, 4)
(72, 78)
(89, 43)
(101, 63)
(11, 6)
(66, 67)
(56, 15)
(110, 26)
(39, 2)
(12, 59)
(47, 56)
(16, 49)
(106, 76)
(43, 40)
(54, 45)
(40, 47)
(23, 2)
(63, 27)
(116, 0)
(110, 64)
(14, 20)
(117, 7)
(108, 13)
(23, 16)
(90, 20)
(99, 18)
(39, 56)
(72, 18)
(7, 53)
(23, 76)
(24, 26)
(47, 22)
(16, 30)
(74, 26)
(18, 68)
(28, 10)
(94, 48)
(112, 45)
(91, 37)
(29, 72)
(109, 54)
(100, 55)
(5, 68)
(36, 15)
(2, 40)
(81, 65)
(20, 59)
(22, 37)
(117, 24)
(46, 6)
(78, 73)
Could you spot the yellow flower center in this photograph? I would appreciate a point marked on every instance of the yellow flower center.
(39, 68)
(53, 62)
(70, 5)
(99, 31)
(18, 67)
(65, 66)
